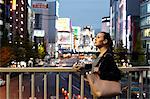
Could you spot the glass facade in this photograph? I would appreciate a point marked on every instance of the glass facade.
(145, 22)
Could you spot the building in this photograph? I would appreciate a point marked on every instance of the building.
(105, 24)
(46, 14)
(113, 19)
(86, 40)
(1, 19)
(18, 22)
(122, 17)
(64, 33)
(145, 23)
(31, 23)
(4, 21)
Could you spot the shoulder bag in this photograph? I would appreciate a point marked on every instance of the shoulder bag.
(103, 88)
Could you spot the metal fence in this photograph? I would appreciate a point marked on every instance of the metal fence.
(44, 70)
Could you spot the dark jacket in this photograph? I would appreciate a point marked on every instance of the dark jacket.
(107, 67)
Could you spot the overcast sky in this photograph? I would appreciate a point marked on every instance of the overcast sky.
(84, 12)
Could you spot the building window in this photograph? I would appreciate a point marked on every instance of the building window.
(145, 21)
(146, 33)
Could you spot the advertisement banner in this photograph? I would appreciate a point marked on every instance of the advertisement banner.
(63, 24)
(64, 38)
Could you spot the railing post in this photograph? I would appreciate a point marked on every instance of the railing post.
(141, 84)
(82, 87)
(45, 86)
(129, 85)
(20, 86)
(32, 86)
(8, 86)
(57, 86)
(70, 86)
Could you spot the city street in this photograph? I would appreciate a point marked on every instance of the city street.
(38, 35)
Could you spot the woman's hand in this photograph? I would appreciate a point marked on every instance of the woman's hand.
(78, 66)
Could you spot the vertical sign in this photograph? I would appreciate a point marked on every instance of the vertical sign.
(14, 5)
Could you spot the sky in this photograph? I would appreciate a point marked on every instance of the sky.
(84, 12)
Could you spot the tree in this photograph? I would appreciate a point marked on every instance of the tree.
(138, 56)
(6, 55)
(120, 53)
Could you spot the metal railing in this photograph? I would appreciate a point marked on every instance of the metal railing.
(70, 70)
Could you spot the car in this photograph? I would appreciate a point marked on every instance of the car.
(2, 82)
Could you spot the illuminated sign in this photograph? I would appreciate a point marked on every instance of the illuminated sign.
(1, 1)
(76, 30)
(146, 33)
(40, 5)
(63, 24)
(14, 4)
(39, 33)
(64, 38)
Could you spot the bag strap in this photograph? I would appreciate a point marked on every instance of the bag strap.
(100, 60)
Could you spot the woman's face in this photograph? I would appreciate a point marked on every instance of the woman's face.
(99, 40)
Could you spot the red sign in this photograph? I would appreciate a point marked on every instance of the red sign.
(40, 5)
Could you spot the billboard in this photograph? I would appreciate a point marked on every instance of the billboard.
(63, 38)
(63, 24)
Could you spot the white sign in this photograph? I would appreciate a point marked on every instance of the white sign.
(63, 24)
(39, 33)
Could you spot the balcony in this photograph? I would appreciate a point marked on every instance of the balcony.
(9, 91)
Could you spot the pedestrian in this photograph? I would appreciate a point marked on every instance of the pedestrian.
(30, 62)
(104, 65)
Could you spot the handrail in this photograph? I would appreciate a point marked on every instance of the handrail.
(135, 68)
(38, 69)
(65, 69)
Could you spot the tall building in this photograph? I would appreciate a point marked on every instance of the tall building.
(105, 24)
(122, 15)
(4, 21)
(1, 19)
(113, 19)
(46, 13)
(145, 23)
(31, 23)
(45, 17)
(18, 22)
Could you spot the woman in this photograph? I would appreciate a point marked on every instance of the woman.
(104, 65)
